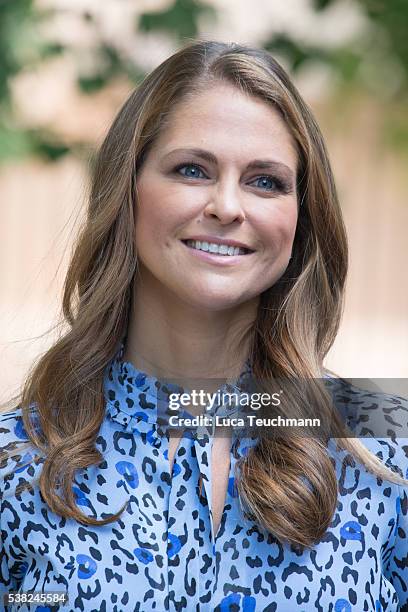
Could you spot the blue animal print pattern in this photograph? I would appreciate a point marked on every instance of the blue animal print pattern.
(162, 554)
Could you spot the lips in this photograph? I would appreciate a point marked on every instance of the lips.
(222, 250)
(217, 245)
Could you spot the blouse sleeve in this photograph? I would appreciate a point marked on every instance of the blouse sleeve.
(11, 570)
(8, 572)
(396, 570)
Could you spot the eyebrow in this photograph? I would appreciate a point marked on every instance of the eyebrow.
(263, 164)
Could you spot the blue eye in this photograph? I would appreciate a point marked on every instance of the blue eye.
(195, 170)
(268, 183)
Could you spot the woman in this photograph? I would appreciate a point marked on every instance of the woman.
(214, 248)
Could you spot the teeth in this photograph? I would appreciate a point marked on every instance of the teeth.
(212, 247)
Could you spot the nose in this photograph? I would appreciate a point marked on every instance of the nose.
(225, 203)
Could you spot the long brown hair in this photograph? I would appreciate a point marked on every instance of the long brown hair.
(296, 324)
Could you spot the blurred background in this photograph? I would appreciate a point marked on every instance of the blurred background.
(66, 66)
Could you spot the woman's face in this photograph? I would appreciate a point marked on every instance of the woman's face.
(222, 173)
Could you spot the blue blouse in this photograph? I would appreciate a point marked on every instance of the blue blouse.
(162, 554)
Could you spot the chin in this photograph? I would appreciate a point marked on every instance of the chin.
(213, 301)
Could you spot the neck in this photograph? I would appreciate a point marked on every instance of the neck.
(168, 337)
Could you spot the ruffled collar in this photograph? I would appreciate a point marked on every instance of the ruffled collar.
(137, 400)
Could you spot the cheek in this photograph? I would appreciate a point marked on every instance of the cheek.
(160, 210)
(153, 216)
(277, 228)
(149, 207)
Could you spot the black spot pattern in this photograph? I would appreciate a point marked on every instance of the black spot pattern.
(162, 553)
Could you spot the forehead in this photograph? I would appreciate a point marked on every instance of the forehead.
(226, 120)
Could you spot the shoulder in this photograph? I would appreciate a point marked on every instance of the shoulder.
(393, 453)
(368, 396)
(377, 418)
(11, 429)
(15, 444)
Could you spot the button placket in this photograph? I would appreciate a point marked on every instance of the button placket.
(189, 558)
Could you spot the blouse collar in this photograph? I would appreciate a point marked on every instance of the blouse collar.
(136, 398)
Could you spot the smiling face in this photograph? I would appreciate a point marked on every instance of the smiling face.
(223, 172)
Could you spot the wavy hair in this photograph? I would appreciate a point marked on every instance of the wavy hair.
(296, 323)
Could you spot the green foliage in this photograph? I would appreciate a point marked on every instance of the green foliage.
(18, 143)
(390, 19)
(391, 16)
(14, 143)
(321, 4)
(179, 19)
(22, 47)
(47, 146)
(111, 64)
(296, 53)
(343, 61)
(15, 18)
(385, 57)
